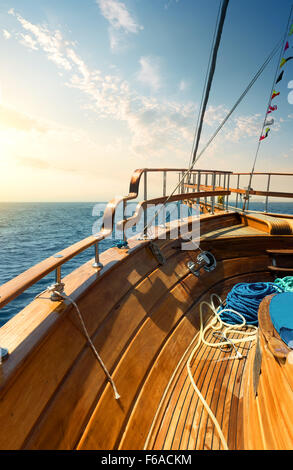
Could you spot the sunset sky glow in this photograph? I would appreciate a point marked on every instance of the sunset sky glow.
(91, 90)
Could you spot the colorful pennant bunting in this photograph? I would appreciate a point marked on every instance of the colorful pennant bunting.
(272, 108)
(283, 61)
(269, 122)
(275, 94)
(280, 77)
(266, 134)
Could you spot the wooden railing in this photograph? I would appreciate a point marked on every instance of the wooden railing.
(245, 192)
(13, 288)
(266, 193)
(204, 183)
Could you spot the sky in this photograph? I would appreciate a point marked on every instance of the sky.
(91, 90)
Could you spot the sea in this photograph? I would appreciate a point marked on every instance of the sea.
(31, 232)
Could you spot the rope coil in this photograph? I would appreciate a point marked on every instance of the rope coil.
(217, 324)
(246, 298)
(285, 284)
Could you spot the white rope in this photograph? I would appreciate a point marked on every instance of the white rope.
(217, 324)
(92, 346)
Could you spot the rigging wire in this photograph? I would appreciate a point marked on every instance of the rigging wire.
(191, 166)
(269, 102)
(211, 73)
(269, 58)
(208, 82)
(205, 85)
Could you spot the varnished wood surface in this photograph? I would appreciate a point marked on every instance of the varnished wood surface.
(54, 394)
(268, 415)
(185, 424)
(243, 191)
(144, 421)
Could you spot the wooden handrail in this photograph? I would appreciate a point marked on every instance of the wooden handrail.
(267, 174)
(243, 191)
(16, 286)
(19, 284)
(161, 200)
(136, 177)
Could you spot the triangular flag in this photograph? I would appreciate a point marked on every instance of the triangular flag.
(286, 46)
(283, 62)
(280, 77)
(275, 94)
(266, 134)
(272, 108)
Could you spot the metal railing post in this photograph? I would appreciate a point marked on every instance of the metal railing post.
(227, 197)
(206, 183)
(145, 196)
(267, 197)
(248, 191)
(237, 194)
(182, 182)
(164, 194)
(213, 197)
(123, 215)
(97, 263)
(198, 185)
(164, 183)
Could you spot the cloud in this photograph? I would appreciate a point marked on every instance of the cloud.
(183, 85)
(38, 36)
(149, 73)
(243, 127)
(215, 114)
(6, 34)
(152, 122)
(41, 164)
(120, 21)
(33, 162)
(12, 118)
(156, 126)
(28, 41)
(118, 16)
(169, 3)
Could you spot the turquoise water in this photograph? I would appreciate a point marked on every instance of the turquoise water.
(31, 232)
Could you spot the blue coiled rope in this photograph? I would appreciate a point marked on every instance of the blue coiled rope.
(285, 283)
(245, 298)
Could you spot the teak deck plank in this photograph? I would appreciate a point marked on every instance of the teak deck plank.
(134, 325)
(98, 431)
(119, 330)
(268, 415)
(185, 424)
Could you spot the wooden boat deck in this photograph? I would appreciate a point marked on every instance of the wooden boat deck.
(183, 422)
(141, 328)
(236, 231)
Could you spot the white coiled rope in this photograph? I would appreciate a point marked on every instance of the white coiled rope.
(217, 324)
